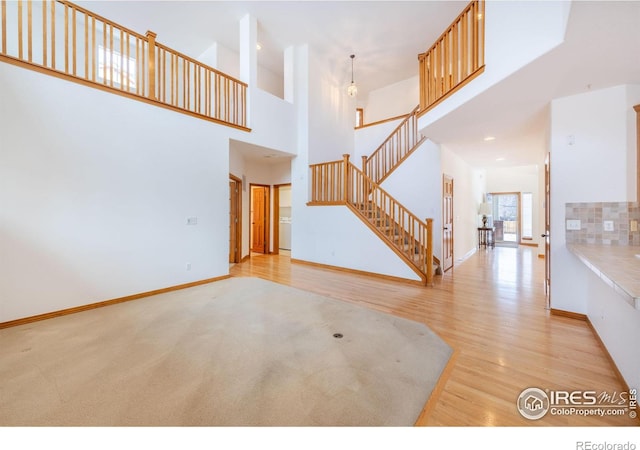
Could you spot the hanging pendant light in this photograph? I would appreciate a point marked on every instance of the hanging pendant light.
(352, 90)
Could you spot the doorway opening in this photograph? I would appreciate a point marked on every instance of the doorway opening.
(235, 219)
(282, 219)
(259, 210)
(506, 217)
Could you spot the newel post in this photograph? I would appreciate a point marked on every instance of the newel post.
(345, 194)
(429, 256)
(365, 185)
(151, 63)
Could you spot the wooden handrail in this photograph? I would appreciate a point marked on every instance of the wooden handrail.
(394, 222)
(396, 148)
(455, 58)
(380, 122)
(68, 41)
(342, 183)
(205, 90)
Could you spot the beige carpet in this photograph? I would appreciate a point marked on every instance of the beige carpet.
(238, 352)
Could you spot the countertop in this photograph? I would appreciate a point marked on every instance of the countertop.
(616, 265)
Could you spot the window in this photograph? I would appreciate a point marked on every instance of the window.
(113, 62)
(527, 215)
(359, 117)
(505, 216)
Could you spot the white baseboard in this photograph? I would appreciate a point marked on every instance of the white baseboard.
(468, 255)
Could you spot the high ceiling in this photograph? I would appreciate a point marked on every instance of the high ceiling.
(385, 36)
(600, 50)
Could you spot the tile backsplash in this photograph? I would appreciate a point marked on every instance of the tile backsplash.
(592, 217)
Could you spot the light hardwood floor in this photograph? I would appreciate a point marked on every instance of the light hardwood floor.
(491, 310)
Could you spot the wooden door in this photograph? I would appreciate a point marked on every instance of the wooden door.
(547, 229)
(447, 222)
(259, 219)
(235, 226)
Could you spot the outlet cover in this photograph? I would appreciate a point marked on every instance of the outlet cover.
(573, 224)
(608, 225)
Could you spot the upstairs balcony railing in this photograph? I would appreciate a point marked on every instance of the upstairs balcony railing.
(455, 58)
(66, 40)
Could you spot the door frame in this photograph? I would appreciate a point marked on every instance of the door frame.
(238, 183)
(276, 217)
(444, 178)
(547, 230)
(267, 216)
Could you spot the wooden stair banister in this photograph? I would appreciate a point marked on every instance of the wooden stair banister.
(403, 231)
(342, 183)
(397, 147)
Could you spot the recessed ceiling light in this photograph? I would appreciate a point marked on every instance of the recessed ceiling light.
(259, 46)
(490, 138)
(500, 159)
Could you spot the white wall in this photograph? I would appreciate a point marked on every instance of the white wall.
(228, 61)
(633, 99)
(513, 38)
(331, 113)
(271, 82)
(300, 189)
(417, 184)
(368, 139)
(393, 100)
(592, 169)
(337, 237)
(96, 190)
(518, 179)
(469, 185)
(617, 323)
(271, 119)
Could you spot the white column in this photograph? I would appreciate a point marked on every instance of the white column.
(289, 75)
(249, 58)
(248, 50)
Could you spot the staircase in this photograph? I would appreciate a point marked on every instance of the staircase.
(397, 147)
(342, 183)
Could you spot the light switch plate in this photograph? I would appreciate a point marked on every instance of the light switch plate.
(608, 225)
(573, 224)
(633, 225)
(192, 221)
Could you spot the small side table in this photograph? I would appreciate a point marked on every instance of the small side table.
(485, 237)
